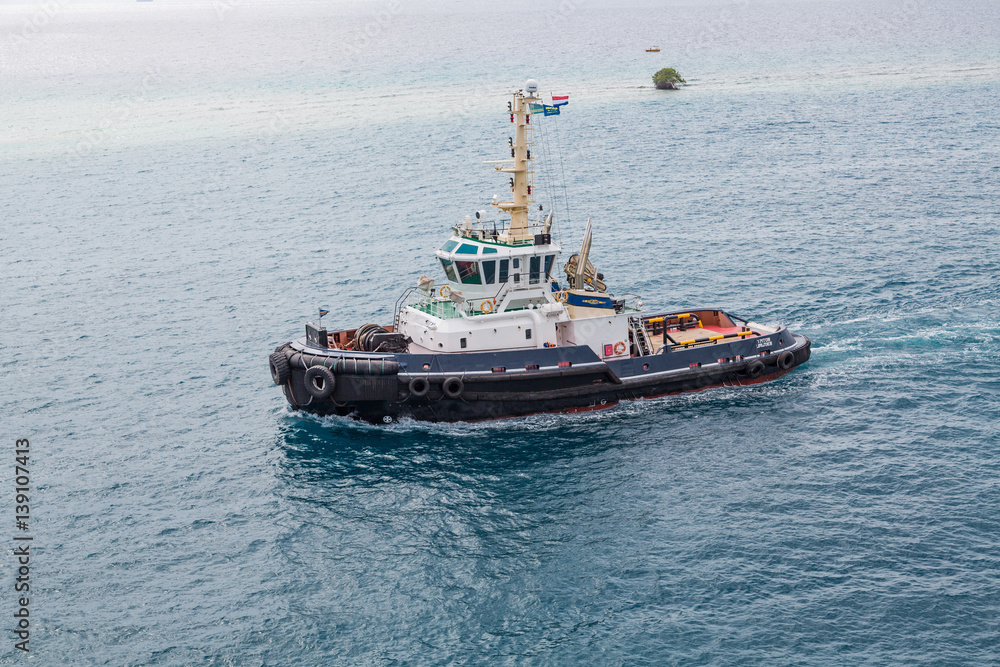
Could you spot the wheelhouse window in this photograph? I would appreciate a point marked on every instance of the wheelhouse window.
(449, 246)
(504, 268)
(449, 270)
(490, 271)
(548, 266)
(534, 270)
(468, 273)
(467, 249)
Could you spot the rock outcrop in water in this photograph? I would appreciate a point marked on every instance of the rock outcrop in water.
(668, 79)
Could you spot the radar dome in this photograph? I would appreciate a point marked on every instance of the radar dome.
(531, 86)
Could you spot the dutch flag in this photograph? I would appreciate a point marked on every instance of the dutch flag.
(559, 100)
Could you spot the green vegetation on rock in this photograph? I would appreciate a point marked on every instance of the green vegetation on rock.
(667, 79)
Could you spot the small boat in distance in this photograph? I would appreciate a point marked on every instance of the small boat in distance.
(653, 49)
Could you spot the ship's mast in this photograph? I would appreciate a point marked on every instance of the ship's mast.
(520, 114)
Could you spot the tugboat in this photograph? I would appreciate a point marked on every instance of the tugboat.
(503, 335)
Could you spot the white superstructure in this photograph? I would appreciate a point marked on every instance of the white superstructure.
(501, 290)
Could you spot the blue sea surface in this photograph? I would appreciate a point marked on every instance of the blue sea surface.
(184, 184)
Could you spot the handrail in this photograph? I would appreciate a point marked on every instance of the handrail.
(717, 337)
(399, 307)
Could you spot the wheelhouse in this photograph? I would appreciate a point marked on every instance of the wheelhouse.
(484, 267)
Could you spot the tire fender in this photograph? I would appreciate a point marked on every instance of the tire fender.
(280, 371)
(453, 387)
(320, 382)
(419, 387)
(755, 369)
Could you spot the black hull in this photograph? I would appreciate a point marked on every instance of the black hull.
(384, 388)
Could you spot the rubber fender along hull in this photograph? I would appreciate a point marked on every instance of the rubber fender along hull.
(379, 390)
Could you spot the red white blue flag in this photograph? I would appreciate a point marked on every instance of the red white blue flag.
(559, 100)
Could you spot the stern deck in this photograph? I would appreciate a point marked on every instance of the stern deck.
(697, 327)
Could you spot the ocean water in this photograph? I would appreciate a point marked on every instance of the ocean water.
(184, 184)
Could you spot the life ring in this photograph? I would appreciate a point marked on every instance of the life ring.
(445, 291)
(619, 347)
(280, 372)
(755, 368)
(785, 360)
(320, 382)
(419, 387)
(562, 296)
(453, 387)
(486, 306)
